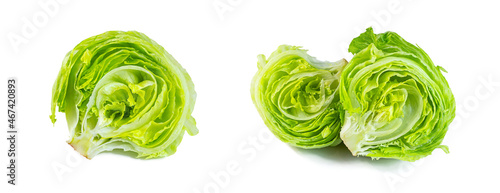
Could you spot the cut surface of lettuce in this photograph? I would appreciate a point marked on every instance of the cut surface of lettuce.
(297, 97)
(397, 102)
(122, 90)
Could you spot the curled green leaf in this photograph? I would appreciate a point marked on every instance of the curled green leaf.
(122, 90)
(296, 96)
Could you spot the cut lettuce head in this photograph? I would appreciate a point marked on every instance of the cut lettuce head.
(397, 102)
(122, 90)
(297, 97)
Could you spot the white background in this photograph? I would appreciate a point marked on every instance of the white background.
(218, 48)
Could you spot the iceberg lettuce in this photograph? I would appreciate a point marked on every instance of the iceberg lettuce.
(397, 102)
(122, 90)
(297, 97)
